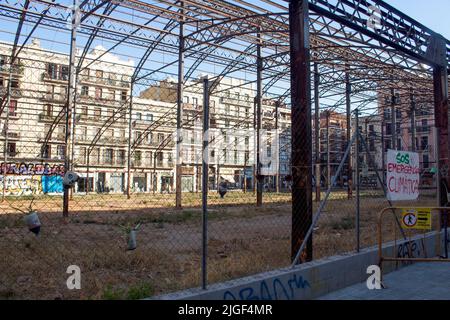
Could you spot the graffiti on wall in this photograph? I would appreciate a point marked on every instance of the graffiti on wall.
(31, 169)
(21, 185)
(24, 179)
(275, 289)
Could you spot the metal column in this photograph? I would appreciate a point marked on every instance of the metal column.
(318, 173)
(277, 144)
(328, 149)
(259, 178)
(441, 119)
(130, 139)
(413, 122)
(205, 172)
(348, 102)
(301, 127)
(393, 120)
(357, 176)
(179, 147)
(70, 98)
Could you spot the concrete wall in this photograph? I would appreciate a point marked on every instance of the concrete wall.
(314, 279)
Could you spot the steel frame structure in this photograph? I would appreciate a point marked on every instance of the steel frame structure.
(358, 51)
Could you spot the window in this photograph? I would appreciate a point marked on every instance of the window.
(423, 143)
(46, 151)
(61, 151)
(246, 156)
(139, 116)
(149, 158)
(108, 156)
(137, 158)
(138, 136)
(15, 84)
(160, 137)
(12, 152)
(99, 74)
(388, 129)
(212, 106)
(426, 161)
(98, 93)
(52, 71)
(160, 159)
(388, 144)
(123, 96)
(64, 73)
(97, 113)
(150, 138)
(12, 110)
(82, 155)
(112, 79)
(121, 157)
(372, 145)
(185, 99)
(84, 110)
(112, 94)
(83, 133)
(149, 117)
(195, 102)
(84, 91)
(3, 61)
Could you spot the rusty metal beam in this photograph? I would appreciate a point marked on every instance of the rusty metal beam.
(301, 128)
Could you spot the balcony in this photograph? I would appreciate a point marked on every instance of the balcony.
(16, 93)
(58, 78)
(104, 82)
(13, 135)
(46, 117)
(17, 69)
(236, 101)
(55, 97)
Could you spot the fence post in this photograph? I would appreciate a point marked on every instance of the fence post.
(205, 174)
(357, 179)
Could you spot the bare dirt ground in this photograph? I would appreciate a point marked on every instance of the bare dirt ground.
(242, 240)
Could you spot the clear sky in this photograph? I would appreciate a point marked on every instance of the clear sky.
(434, 14)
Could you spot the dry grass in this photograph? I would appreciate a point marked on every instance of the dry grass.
(243, 240)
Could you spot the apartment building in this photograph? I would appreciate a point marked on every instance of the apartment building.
(232, 133)
(422, 140)
(111, 126)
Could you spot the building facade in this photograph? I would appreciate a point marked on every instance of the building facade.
(120, 138)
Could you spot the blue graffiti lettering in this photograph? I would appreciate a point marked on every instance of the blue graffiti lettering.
(275, 291)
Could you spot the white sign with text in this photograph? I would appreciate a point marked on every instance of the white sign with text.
(403, 175)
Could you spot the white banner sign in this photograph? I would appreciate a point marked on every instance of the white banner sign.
(403, 174)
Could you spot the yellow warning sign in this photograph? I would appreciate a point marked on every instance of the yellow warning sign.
(416, 219)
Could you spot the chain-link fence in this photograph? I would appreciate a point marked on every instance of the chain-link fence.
(162, 200)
